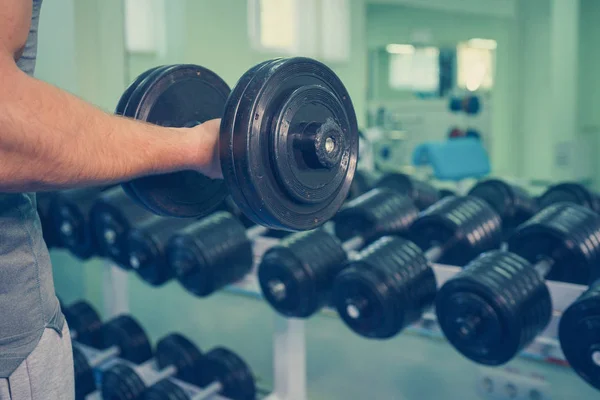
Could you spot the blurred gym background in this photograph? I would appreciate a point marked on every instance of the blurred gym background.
(515, 75)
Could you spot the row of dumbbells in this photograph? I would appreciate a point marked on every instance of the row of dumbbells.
(107, 223)
(375, 270)
(177, 369)
(303, 273)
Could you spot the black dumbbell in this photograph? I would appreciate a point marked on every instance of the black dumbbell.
(362, 183)
(421, 193)
(175, 356)
(288, 142)
(296, 275)
(391, 283)
(211, 253)
(84, 323)
(499, 303)
(113, 215)
(223, 373)
(579, 335)
(43, 202)
(446, 193)
(512, 203)
(70, 216)
(147, 244)
(123, 337)
(569, 192)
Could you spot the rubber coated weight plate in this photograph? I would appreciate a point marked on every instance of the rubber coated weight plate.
(226, 367)
(179, 96)
(120, 110)
(579, 334)
(289, 144)
(178, 351)
(127, 334)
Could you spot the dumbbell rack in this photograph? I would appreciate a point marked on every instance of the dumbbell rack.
(289, 348)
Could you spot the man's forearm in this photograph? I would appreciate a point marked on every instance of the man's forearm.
(50, 139)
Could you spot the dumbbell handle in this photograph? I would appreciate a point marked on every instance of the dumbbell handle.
(208, 391)
(104, 355)
(353, 243)
(433, 254)
(256, 231)
(544, 266)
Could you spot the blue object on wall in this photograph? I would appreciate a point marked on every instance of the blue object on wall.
(454, 159)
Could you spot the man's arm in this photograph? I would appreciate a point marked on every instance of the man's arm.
(50, 139)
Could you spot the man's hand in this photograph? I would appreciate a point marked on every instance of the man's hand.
(204, 148)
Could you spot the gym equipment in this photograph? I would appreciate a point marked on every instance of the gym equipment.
(362, 183)
(455, 230)
(390, 283)
(70, 219)
(499, 303)
(421, 193)
(175, 356)
(446, 193)
(579, 335)
(512, 203)
(123, 337)
(455, 133)
(84, 323)
(297, 274)
(570, 192)
(43, 202)
(468, 103)
(113, 215)
(147, 243)
(288, 143)
(473, 133)
(211, 253)
(223, 373)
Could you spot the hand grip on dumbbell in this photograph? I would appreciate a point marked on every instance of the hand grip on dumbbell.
(391, 283)
(499, 303)
(123, 337)
(288, 166)
(211, 253)
(297, 274)
(579, 334)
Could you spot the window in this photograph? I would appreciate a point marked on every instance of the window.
(145, 30)
(273, 24)
(414, 68)
(475, 61)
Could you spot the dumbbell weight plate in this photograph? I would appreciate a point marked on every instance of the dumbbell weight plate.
(176, 350)
(569, 192)
(121, 109)
(84, 320)
(231, 371)
(579, 333)
(127, 334)
(289, 143)
(84, 376)
(178, 96)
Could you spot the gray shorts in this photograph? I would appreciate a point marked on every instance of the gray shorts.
(47, 373)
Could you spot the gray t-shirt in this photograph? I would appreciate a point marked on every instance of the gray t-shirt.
(28, 303)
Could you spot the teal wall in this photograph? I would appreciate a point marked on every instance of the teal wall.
(216, 36)
(81, 50)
